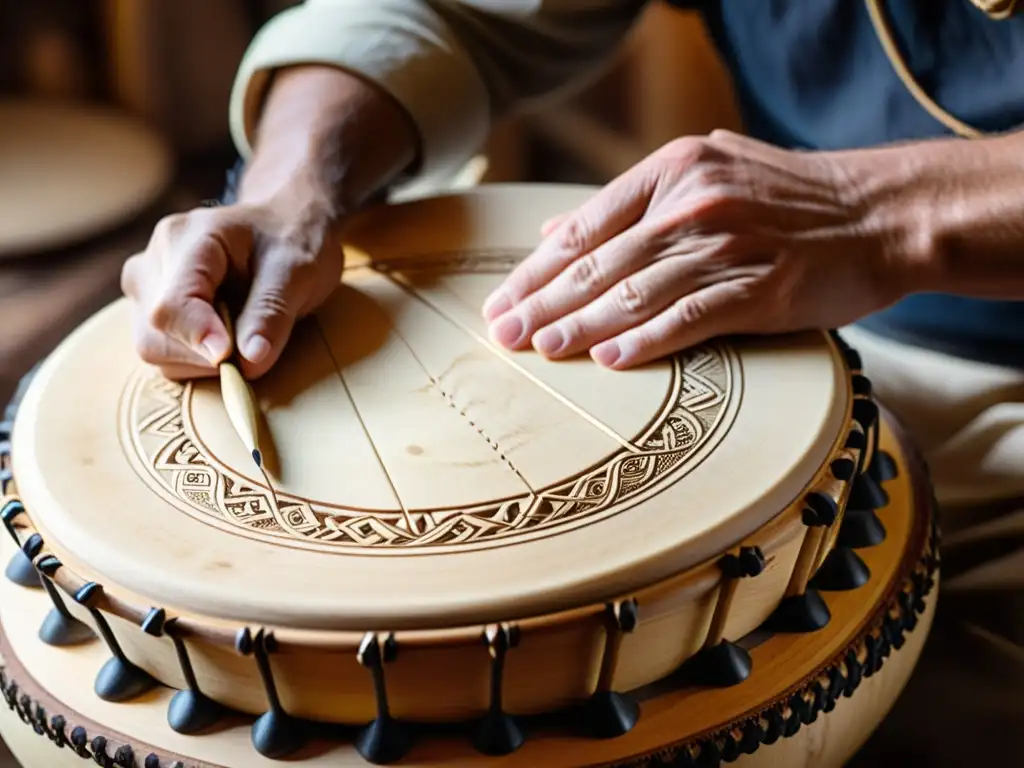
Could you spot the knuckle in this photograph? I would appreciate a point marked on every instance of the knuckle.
(689, 310)
(170, 226)
(713, 204)
(690, 150)
(585, 272)
(573, 234)
(533, 311)
(272, 303)
(162, 313)
(629, 298)
(130, 276)
(150, 349)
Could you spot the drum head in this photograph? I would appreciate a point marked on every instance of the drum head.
(424, 476)
(69, 172)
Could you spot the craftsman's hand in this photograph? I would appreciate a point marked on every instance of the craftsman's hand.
(706, 237)
(288, 269)
(329, 143)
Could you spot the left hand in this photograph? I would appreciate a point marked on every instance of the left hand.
(705, 237)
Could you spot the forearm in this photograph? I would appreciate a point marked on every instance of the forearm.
(325, 143)
(452, 65)
(951, 213)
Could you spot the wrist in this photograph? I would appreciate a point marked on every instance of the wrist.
(893, 200)
(947, 212)
(327, 142)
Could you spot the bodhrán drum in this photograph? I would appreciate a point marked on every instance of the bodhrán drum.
(432, 493)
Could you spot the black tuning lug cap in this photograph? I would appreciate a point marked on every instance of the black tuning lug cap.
(800, 614)
(498, 734)
(154, 622)
(867, 494)
(59, 628)
(820, 509)
(189, 711)
(856, 441)
(861, 528)
(120, 680)
(244, 641)
(883, 467)
(861, 385)
(20, 569)
(843, 570)
(843, 469)
(384, 740)
(850, 355)
(865, 413)
(276, 735)
(721, 666)
(609, 714)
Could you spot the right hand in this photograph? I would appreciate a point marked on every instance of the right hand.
(290, 268)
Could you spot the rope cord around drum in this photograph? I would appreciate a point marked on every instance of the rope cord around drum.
(998, 9)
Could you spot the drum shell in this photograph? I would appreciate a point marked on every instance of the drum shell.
(444, 675)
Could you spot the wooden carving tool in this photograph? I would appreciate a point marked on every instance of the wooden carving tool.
(240, 401)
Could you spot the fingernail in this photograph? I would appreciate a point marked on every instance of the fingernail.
(498, 303)
(214, 348)
(508, 331)
(606, 353)
(549, 340)
(255, 348)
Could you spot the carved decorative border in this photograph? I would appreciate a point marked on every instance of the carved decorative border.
(165, 450)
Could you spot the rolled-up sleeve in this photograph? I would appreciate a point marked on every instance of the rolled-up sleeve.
(452, 64)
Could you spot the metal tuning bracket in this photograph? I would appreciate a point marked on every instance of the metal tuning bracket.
(385, 739)
(59, 628)
(20, 569)
(722, 663)
(861, 527)
(498, 733)
(842, 570)
(190, 710)
(118, 679)
(802, 609)
(609, 713)
(275, 734)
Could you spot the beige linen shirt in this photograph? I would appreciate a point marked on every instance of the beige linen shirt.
(453, 64)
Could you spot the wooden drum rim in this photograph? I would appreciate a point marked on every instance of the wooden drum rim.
(112, 557)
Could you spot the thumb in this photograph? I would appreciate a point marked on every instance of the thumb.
(269, 314)
(183, 307)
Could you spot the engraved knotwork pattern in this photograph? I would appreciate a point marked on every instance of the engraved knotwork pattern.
(704, 383)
